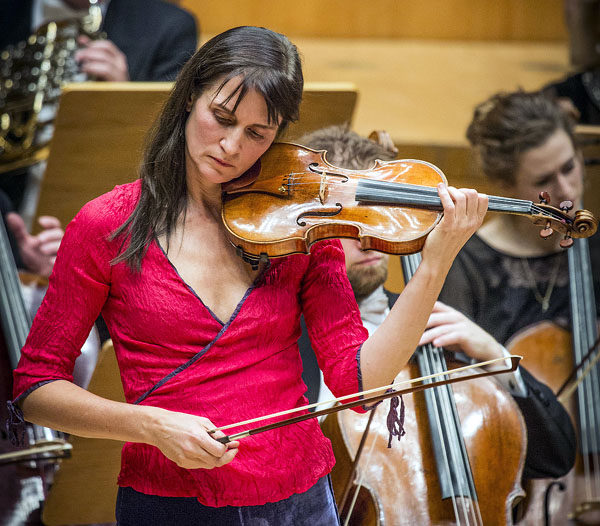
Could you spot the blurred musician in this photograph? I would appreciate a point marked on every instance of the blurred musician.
(138, 40)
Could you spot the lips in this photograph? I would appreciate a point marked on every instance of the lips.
(221, 162)
(370, 261)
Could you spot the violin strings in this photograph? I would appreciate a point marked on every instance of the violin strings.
(418, 194)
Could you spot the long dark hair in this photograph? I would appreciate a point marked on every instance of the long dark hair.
(266, 62)
(509, 124)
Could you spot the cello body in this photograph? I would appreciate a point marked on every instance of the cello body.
(21, 486)
(399, 486)
(548, 353)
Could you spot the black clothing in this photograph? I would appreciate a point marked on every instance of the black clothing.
(157, 37)
(584, 91)
(496, 291)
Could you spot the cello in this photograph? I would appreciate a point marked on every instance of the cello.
(26, 472)
(574, 498)
(443, 472)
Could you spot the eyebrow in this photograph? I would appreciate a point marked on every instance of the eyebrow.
(258, 125)
(538, 177)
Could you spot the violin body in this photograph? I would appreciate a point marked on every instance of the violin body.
(298, 198)
(292, 197)
(400, 485)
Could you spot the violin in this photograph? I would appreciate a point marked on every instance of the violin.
(292, 197)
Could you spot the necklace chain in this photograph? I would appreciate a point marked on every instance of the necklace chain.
(544, 300)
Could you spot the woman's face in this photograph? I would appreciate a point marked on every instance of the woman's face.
(554, 167)
(220, 144)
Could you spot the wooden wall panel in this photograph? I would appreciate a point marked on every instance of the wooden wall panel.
(520, 20)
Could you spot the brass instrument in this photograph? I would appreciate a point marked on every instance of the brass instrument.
(32, 74)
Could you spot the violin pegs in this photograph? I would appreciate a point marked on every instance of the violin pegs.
(566, 242)
(566, 206)
(544, 198)
(545, 233)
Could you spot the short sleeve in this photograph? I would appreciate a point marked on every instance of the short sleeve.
(77, 290)
(332, 318)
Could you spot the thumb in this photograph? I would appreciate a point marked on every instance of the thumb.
(17, 226)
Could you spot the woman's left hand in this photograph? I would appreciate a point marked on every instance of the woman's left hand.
(452, 330)
(464, 211)
(38, 252)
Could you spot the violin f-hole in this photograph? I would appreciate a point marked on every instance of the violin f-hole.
(318, 213)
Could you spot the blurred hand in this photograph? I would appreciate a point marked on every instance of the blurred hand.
(452, 330)
(185, 440)
(102, 59)
(38, 252)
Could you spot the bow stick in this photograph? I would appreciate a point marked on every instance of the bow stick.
(60, 448)
(571, 383)
(390, 393)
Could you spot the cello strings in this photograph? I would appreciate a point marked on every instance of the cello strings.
(432, 360)
(583, 328)
(591, 335)
(426, 369)
(464, 473)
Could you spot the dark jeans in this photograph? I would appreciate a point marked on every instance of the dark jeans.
(315, 507)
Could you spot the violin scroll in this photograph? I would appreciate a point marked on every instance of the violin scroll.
(582, 224)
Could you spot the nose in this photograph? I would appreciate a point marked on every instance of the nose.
(566, 187)
(231, 142)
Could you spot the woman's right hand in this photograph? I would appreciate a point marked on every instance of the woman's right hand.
(185, 440)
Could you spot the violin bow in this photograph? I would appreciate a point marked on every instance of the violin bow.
(390, 392)
(571, 383)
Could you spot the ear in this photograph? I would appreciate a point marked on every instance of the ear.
(189, 104)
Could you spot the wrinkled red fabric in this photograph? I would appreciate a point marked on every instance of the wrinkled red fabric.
(245, 367)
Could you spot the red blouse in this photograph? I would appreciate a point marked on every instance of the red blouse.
(173, 352)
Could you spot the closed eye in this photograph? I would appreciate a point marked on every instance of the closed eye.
(254, 134)
(568, 166)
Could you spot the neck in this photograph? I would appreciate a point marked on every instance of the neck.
(202, 196)
(517, 236)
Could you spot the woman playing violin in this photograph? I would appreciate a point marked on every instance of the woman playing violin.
(202, 340)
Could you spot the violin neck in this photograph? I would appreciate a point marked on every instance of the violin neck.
(386, 192)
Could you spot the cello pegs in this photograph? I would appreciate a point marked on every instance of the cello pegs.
(544, 198)
(545, 233)
(566, 206)
(566, 242)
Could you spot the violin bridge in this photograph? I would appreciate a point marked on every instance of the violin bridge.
(323, 188)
